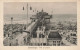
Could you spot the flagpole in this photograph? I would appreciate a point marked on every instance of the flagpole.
(12, 24)
(27, 14)
(27, 18)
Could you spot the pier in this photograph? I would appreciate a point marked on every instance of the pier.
(41, 31)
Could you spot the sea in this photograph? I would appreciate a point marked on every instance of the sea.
(22, 18)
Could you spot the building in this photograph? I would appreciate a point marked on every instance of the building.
(38, 38)
(47, 18)
(54, 38)
(33, 18)
(73, 37)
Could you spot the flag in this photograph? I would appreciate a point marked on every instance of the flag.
(30, 8)
(23, 8)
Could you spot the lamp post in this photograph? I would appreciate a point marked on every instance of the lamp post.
(12, 24)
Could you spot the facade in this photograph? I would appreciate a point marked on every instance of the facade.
(40, 38)
(38, 42)
(54, 39)
(73, 37)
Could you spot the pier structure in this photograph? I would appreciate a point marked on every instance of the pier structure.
(37, 33)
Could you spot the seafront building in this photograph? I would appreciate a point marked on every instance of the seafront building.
(54, 38)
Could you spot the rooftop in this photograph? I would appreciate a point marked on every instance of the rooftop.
(55, 35)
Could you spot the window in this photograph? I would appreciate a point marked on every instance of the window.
(54, 43)
(58, 43)
(44, 44)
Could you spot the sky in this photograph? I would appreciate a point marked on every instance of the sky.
(50, 7)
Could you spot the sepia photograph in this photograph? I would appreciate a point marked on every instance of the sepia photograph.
(40, 24)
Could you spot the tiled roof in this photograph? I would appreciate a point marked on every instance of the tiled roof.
(54, 35)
